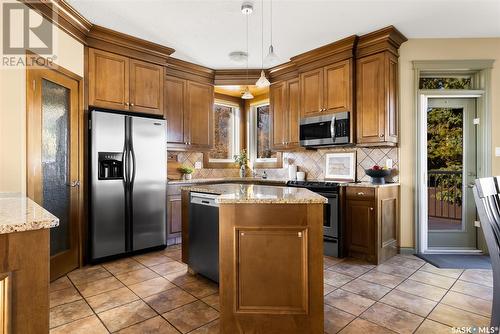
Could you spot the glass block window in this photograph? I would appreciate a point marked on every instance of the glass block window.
(445, 83)
(226, 134)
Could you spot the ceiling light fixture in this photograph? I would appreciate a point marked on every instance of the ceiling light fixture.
(262, 82)
(247, 9)
(238, 56)
(271, 58)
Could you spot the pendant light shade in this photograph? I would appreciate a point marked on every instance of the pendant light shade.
(271, 57)
(247, 95)
(262, 82)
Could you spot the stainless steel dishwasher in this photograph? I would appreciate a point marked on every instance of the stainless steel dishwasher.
(204, 235)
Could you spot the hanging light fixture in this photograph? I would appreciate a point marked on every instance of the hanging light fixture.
(262, 82)
(247, 9)
(271, 58)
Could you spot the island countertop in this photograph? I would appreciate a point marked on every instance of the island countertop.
(231, 193)
(19, 213)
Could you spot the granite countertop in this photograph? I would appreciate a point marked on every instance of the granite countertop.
(231, 193)
(227, 180)
(370, 185)
(19, 213)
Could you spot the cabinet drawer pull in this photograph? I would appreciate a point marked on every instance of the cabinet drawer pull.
(381, 135)
(242, 233)
(299, 234)
(361, 193)
(371, 209)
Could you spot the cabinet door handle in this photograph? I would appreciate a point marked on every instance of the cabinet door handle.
(381, 135)
(371, 209)
(361, 193)
(299, 234)
(127, 104)
(131, 104)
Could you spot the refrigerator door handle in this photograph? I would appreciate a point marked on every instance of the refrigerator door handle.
(132, 162)
(124, 165)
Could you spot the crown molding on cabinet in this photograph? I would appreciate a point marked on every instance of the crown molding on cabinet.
(237, 76)
(186, 70)
(110, 40)
(283, 72)
(62, 15)
(327, 54)
(385, 39)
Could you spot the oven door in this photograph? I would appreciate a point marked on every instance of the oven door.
(331, 215)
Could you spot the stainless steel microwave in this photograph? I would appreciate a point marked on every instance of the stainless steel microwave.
(325, 130)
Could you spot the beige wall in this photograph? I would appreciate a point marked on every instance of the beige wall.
(437, 49)
(69, 54)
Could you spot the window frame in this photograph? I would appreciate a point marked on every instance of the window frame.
(252, 139)
(237, 140)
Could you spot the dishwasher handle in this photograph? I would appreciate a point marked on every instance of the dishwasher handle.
(204, 199)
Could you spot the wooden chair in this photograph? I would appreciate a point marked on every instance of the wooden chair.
(487, 197)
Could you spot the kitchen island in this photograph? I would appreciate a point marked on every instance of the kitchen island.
(270, 257)
(24, 265)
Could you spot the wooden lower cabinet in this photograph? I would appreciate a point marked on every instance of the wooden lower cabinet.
(372, 222)
(24, 275)
(271, 268)
(174, 216)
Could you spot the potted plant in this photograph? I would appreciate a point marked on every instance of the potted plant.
(186, 172)
(242, 159)
(378, 174)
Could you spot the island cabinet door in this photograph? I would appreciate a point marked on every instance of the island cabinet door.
(277, 257)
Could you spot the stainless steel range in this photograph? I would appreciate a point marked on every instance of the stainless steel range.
(332, 228)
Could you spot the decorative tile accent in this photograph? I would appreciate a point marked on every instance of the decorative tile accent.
(312, 162)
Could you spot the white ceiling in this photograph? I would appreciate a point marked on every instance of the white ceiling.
(206, 31)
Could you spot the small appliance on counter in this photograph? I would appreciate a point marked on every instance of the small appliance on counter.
(128, 188)
(332, 228)
(292, 172)
(301, 176)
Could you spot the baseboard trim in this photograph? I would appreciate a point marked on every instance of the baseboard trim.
(407, 251)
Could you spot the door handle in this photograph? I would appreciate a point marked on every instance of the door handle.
(332, 127)
(74, 184)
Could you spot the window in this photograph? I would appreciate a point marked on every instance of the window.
(442, 82)
(261, 154)
(226, 133)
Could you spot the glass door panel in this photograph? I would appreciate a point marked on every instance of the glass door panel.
(55, 161)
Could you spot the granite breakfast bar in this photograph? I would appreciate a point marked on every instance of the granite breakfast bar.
(270, 257)
(24, 265)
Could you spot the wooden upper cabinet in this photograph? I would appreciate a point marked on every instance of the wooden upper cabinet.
(312, 92)
(121, 83)
(338, 87)
(327, 90)
(277, 96)
(146, 87)
(293, 103)
(377, 113)
(199, 115)
(175, 101)
(108, 80)
(285, 111)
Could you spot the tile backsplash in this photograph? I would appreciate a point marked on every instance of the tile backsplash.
(312, 162)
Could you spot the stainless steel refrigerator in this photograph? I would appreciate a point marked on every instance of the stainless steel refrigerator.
(128, 184)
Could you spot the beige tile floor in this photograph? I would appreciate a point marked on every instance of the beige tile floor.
(153, 293)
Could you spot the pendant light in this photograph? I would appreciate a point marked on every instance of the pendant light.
(271, 58)
(247, 95)
(262, 82)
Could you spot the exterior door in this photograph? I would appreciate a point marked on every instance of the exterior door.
(451, 170)
(53, 159)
